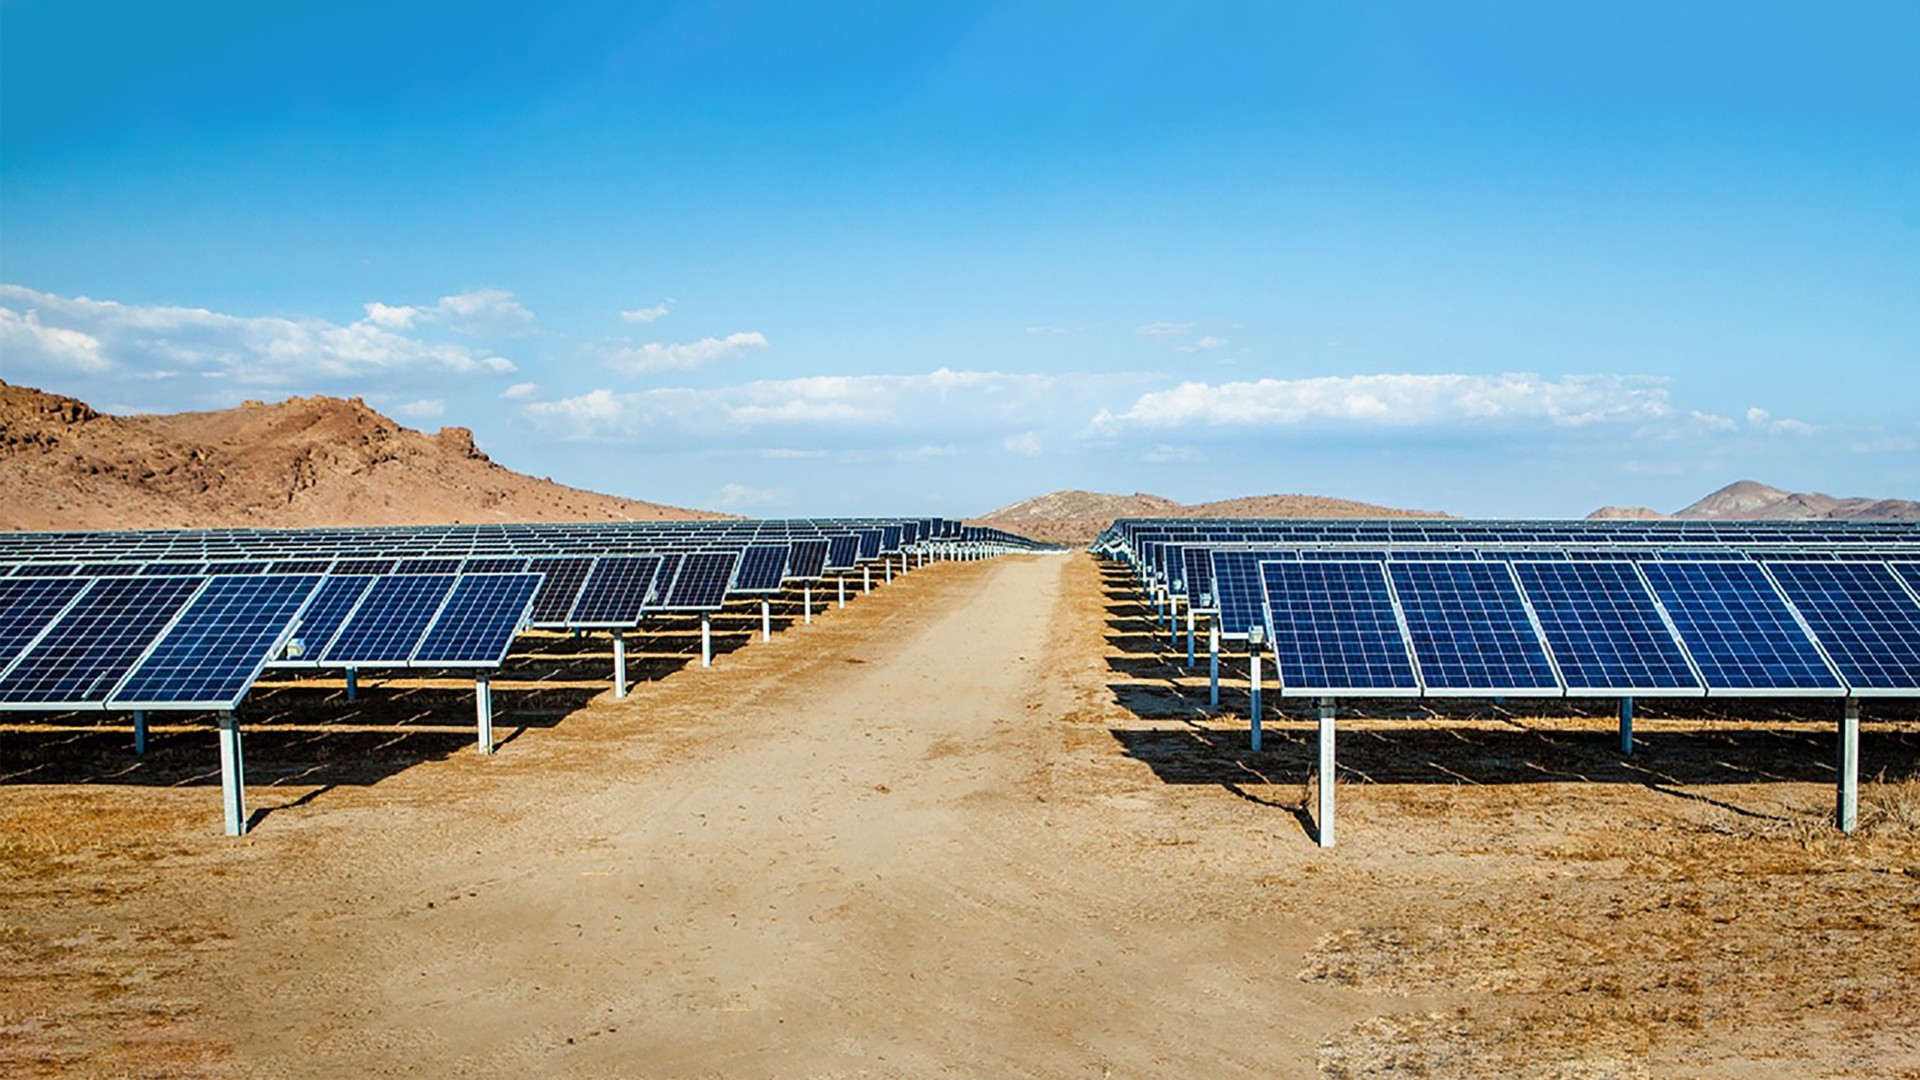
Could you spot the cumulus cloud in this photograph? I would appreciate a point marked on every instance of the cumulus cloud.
(1205, 343)
(742, 497)
(483, 312)
(1762, 420)
(520, 390)
(108, 339)
(1397, 401)
(1025, 444)
(424, 409)
(683, 356)
(1164, 329)
(647, 314)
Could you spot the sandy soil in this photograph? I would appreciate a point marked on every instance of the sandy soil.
(979, 823)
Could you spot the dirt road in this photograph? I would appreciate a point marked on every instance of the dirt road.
(940, 832)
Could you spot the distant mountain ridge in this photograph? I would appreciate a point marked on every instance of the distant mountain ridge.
(1076, 517)
(300, 462)
(1749, 500)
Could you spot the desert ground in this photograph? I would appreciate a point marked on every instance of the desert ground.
(979, 823)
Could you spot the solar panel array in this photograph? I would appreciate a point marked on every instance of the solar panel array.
(1550, 609)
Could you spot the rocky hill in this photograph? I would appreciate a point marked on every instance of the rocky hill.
(1748, 500)
(304, 461)
(1076, 517)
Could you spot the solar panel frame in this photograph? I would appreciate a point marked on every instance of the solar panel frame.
(762, 568)
(1237, 597)
(806, 560)
(843, 551)
(1471, 634)
(1605, 631)
(615, 592)
(332, 604)
(79, 660)
(1732, 652)
(1865, 620)
(29, 607)
(1329, 620)
(389, 622)
(700, 582)
(212, 653)
(477, 625)
(561, 581)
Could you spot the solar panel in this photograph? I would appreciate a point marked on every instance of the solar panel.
(1737, 628)
(762, 567)
(1236, 588)
(662, 581)
(218, 568)
(1198, 567)
(28, 606)
(107, 569)
(1333, 630)
(478, 623)
(701, 584)
(561, 587)
(325, 615)
(615, 591)
(173, 569)
(494, 566)
(387, 626)
(214, 651)
(1604, 630)
(870, 541)
(85, 654)
(427, 566)
(1868, 623)
(1469, 629)
(363, 566)
(808, 559)
(44, 570)
(300, 566)
(842, 551)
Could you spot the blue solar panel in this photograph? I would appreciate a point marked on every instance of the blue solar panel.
(663, 580)
(615, 592)
(1604, 630)
(1910, 573)
(494, 566)
(842, 552)
(478, 623)
(809, 559)
(325, 615)
(211, 655)
(44, 570)
(559, 590)
(362, 566)
(1868, 623)
(870, 541)
(427, 566)
(91, 648)
(389, 622)
(1333, 630)
(702, 581)
(1197, 566)
(1470, 630)
(28, 606)
(762, 568)
(1236, 588)
(1737, 628)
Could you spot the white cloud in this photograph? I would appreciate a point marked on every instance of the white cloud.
(1046, 331)
(787, 453)
(1025, 444)
(1164, 329)
(424, 409)
(520, 390)
(685, 356)
(482, 312)
(27, 341)
(1205, 343)
(1762, 420)
(648, 314)
(742, 497)
(160, 341)
(1397, 401)
(1162, 454)
(929, 451)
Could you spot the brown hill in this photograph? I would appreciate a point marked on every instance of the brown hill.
(1748, 500)
(303, 461)
(1076, 517)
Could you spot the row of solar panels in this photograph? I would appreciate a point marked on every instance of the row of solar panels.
(1127, 537)
(1600, 627)
(199, 642)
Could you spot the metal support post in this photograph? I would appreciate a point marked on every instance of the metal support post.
(139, 731)
(353, 684)
(866, 579)
(1327, 773)
(619, 663)
(766, 619)
(806, 602)
(843, 589)
(1189, 634)
(483, 711)
(1253, 688)
(233, 775)
(1626, 725)
(889, 564)
(1213, 662)
(1848, 810)
(706, 640)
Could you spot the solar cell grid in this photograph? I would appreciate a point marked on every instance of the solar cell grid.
(494, 566)
(329, 609)
(1470, 630)
(363, 566)
(1333, 629)
(28, 606)
(384, 630)
(762, 567)
(1868, 623)
(1198, 568)
(559, 588)
(213, 652)
(1236, 588)
(1604, 630)
(80, 659)
(702, 581)
(615, 591)
(842, 550)
(808, 559)
(1738, 630)
(477, 625)
(663, 579)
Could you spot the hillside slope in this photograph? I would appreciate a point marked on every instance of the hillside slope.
(1076, 517)
(301, 462)
(1749, 500)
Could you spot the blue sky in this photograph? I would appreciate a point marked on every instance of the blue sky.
(1500, 259)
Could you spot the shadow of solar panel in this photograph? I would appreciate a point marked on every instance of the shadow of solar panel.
(1236, 588)
(85, 654)
(477, 625)
(1738, 630)
(559, 589)
(1604, 631)
(701, 584)
(842, 552)
(29, 606)
(762, 568)
(808, 559)
(1867, 621)
(615, 591)
(1469, 629)
(213, 652)
(387, 626)
(1333, 630)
